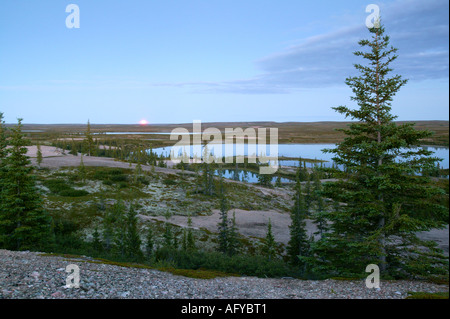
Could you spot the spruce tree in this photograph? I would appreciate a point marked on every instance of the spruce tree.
(73, 148)
(190, 240)
(269, 247)
(39, 155)
(168, 235)
(386, 199)
(88, 142)
(114, 229)
(320, 212)
(82, 169)
(24, 224)
(278, 182)
(308, 193)
(149, 242)
(298, 246)
(233, 237)
(3, 152)
(96, 241)
(133, 240)
(4, 221)
(265, 180)
(184, 240)
(120, 229)
(223, 226)
(137, 173)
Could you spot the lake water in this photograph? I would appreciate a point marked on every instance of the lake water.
(307, 151)
(249, 177)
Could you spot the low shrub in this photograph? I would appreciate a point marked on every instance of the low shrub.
(239, 264)
(169, 182)
(427, 295)
(62, 188)
(73, 193)
(118, 178)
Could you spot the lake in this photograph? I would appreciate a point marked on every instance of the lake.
(247, 176)
(307, 151)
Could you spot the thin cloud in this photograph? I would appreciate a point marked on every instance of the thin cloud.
(419, 29)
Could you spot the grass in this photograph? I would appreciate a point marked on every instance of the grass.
(197, 273)
(191, 273)
(345, 278)
(427, 295)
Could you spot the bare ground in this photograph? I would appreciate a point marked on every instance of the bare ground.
(54, 158)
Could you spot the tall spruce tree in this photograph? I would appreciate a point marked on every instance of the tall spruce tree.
(133, 240)
(269, 247)
(190, 240)
(96, 241)
(223, 226)
(82, 169)
(39, 155)
(24, 224)
(298, 245)
(149, 242)
(120, 229)
(168, 236)
(320, 212)
(88, 142)
(4, 229)
(386, 199)
(234, 244)
(3, 151)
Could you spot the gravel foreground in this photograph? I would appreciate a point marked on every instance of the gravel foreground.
(29, 275)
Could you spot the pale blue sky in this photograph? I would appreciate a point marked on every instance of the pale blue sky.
(175, 61)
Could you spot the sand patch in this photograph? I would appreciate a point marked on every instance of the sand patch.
(47, 151)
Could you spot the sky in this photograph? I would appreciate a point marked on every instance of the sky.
(176, 61)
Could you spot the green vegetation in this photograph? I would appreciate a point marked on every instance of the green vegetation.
(238, 264)
(88, 142)
(386, 199)
(427, 295)
(298, 246)
(24, 224)
(62, 188)
(269, 248)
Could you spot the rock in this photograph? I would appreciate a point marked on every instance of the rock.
(35, 275)
(58, 295)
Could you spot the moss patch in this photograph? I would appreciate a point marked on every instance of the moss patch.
(427, 295)
(197, 273)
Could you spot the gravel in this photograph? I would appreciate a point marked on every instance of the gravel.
(30, 275)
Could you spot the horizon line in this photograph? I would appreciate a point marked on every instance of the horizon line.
(224, 122)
